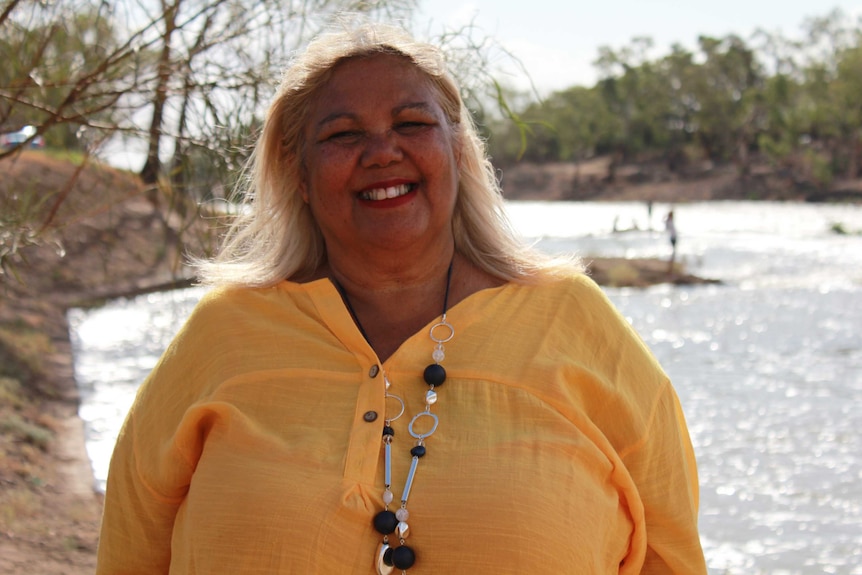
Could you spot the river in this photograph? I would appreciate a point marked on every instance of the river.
(768, 364)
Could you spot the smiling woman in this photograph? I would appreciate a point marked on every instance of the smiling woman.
(373, 314)
(380, 163)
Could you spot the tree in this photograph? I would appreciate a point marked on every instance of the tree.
(187, 66)
(59, 70)
(728, 92)
(833, 101)
(188, 77)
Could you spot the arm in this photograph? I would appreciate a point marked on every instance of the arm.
(663, 468)
(155, 456)
(137, 522)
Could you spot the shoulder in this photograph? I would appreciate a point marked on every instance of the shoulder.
(574, 293)
(576, 309)
(233, 303)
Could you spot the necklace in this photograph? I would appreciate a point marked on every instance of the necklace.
(387, 522)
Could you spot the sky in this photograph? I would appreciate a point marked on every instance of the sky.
(557, 40)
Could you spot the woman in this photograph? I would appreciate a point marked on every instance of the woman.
(421, 392)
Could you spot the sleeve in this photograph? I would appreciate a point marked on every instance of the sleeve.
(647, 429)
(137, 520)
(664, 471)
(156, 454)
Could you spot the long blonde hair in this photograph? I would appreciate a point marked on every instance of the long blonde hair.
(277, 236)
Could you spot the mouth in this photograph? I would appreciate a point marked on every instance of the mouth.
(388, 193)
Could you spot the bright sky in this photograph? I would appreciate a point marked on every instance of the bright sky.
(557, 40)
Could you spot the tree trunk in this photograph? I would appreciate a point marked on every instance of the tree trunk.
(855, 148)
(153, 165)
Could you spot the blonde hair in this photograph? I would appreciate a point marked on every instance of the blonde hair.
(277, 236)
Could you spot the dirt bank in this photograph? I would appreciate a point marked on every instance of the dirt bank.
(699, 182)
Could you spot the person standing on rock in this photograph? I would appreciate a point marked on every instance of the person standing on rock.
(670, 228)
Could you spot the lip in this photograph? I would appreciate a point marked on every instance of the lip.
(386, 184)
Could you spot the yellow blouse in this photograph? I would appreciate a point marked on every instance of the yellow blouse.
(561, 445)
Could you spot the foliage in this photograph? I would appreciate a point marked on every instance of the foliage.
(796, 102)
(19, 226)
(186, 78)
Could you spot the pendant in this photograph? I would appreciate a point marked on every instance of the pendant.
(382, 567)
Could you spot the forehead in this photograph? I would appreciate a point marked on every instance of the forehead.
(379, 81)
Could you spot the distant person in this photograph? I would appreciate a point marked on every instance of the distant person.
(374, 273)
(670, 228)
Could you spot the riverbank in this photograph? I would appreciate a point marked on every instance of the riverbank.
(105, 239)
(653, 182)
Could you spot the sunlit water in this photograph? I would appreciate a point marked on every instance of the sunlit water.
(768, 365)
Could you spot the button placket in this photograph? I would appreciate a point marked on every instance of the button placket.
(362, 455)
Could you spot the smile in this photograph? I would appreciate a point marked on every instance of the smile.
(378, 194)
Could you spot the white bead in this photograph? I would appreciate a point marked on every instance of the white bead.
(438, 355)
(430, 397)
(403, 530)
(388, 497)
(402, 514)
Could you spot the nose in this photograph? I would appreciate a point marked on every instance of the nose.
(381, 150)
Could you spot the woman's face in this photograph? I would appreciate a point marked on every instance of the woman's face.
(380, 160)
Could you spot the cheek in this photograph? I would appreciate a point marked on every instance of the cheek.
(327, 169)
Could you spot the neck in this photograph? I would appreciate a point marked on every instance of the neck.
(389, 271)
(392, 307)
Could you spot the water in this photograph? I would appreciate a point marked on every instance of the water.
(768, 366)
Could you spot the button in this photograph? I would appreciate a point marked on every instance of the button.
(373, 371)
(370, 416)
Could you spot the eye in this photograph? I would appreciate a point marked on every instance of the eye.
(342, 136)
(412, 126)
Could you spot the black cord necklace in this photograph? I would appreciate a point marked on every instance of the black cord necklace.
(386, 522)
(358, 323)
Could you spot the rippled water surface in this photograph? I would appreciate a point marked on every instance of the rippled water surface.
(768, 365)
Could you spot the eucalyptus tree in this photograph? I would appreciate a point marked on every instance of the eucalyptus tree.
(185, 77)
(783, 130)
(59, 71)
(832, 75)
(730, 105)
(175, 73)
(679, 72)
(634, 88)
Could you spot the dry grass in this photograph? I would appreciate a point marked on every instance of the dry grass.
(26, 431)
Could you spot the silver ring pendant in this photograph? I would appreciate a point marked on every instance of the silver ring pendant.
(400, 402)
(442, 324)
(430, 432)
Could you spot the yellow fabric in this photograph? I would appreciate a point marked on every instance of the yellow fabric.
(561, 447)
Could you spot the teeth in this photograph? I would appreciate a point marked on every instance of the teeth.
(384, 193)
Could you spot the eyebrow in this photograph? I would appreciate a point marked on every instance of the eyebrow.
(421, 106)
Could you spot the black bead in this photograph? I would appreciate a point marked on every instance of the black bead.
(388, 430)
(403, 557)
(385, 522)
(435, 375)
(387, 557)
(418, 451)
